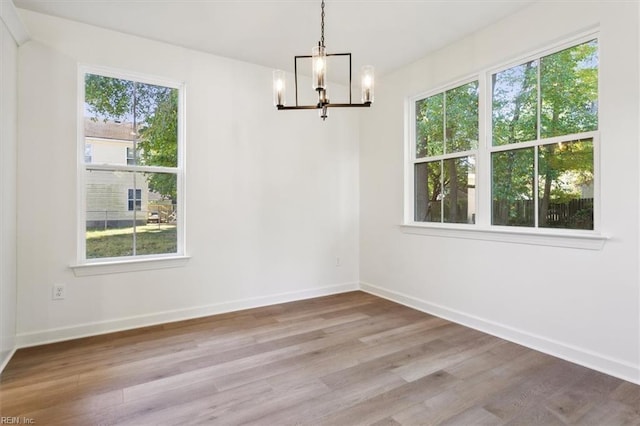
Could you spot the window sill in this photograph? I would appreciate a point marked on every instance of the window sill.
(586, 240)
(134, 265)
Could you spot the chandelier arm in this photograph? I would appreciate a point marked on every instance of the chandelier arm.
(362, 105)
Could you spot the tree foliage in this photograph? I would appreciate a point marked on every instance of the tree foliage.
(445, 123)
(556, 95)
(153, 111)
(159, 142)
(567, 83)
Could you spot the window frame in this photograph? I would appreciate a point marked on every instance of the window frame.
(85, 266)
(440, 158)
(130, 156)
(482, 229)
(134, 202)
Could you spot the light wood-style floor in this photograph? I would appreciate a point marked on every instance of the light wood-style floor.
(339, 360)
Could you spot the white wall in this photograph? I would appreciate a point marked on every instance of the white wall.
(272, 197)
(8, 145)
(582, 305)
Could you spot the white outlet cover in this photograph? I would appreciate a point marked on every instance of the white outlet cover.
(58, 292)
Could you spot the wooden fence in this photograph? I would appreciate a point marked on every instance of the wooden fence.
(574, 214)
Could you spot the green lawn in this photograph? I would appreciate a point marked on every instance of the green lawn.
(150, 239)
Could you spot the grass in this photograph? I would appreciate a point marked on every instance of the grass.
(150, 239)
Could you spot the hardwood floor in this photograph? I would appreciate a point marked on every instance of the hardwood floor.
(346, 359)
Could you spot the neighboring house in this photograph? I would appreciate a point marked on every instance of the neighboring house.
(114, 199)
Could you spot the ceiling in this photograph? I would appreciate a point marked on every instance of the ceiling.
(385, 33)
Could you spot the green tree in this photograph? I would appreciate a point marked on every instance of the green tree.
(159, 141)
(445, 123)
(567, 104)
(153, 112)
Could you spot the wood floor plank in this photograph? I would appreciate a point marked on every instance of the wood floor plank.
(377, 407)
(345, 359)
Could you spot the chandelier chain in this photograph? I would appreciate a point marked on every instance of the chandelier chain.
(322, 25)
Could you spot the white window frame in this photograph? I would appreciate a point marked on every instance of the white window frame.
(137, 201)
(411, 148)
(130, 160)
(84, 266)
(482, 229)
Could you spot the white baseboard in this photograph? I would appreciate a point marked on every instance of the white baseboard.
(617, 368)
(613, 367)
(7, 358)
(24, 340)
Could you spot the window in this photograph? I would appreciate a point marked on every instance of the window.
(88, 153)
(544, 118)
(134, 199)
(532, 166)
(120, 193)
(131, 158)
(446, 128)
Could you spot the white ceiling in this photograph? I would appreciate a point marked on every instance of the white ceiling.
(384, 33)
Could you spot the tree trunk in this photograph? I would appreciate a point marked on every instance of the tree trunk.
(453, 191)
(421, 208)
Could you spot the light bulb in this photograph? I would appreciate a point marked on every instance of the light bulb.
(367, 83)
(318, 67)
(278, 88)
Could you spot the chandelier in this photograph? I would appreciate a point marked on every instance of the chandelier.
(319, 80)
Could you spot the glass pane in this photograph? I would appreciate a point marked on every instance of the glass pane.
(428, 192)
(430, 126)
(461, 112)
(512, 178)
(130, 214)
(514, 104)
(128, 122)
(565, 185)
(88, 153)
(569, 91)
(459, 189)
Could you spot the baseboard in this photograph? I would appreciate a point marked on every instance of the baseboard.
(613, 367)
(5, 361)
(24, 340)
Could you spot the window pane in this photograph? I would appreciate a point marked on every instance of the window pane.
(430, 126)
(461, 112)
(114, 228)
(143, 118)
(514, 106)
(135, 201)
(565, 185)
(459, 189)
(428, 192)
(569, 91)
(512, 178)
(131, 156)
(88, 153)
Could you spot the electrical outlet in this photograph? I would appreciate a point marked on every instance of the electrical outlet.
(59, 292)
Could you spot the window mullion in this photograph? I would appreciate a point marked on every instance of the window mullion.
(539, 100)
(483, 154)
(444, 152)
(441, 191)
(536, 200)
(131, 168)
